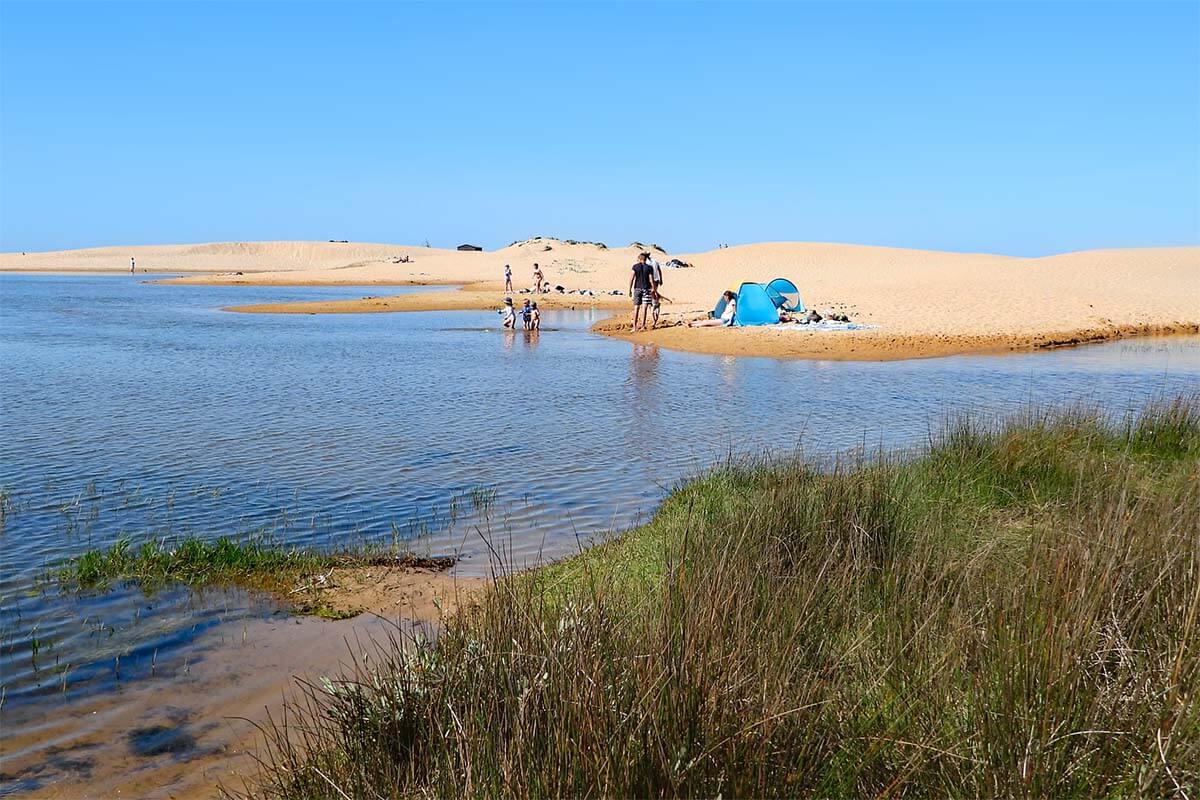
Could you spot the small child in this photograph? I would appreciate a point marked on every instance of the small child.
(535, 317)
(509, 314)
(527, 314)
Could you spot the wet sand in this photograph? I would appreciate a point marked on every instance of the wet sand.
(194, 726)
(868, 345)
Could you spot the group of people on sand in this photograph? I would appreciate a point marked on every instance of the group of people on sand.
(645, 288)
(539, 280)
(531, 318)
(645, 284)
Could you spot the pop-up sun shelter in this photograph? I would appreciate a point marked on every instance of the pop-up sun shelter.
(759, 305)
(785, 295)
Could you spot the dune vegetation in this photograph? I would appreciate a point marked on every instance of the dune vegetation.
(1015, 610)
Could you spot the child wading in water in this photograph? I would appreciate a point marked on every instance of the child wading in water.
(526, 314)
(509, 314)
(535, 318)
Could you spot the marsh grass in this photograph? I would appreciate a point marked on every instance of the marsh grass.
(286, 572)
(1014, 612)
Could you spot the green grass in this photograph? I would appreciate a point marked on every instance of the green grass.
(1013, 612)
(246, 564)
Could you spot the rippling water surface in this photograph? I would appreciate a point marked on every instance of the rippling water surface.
(135, 410)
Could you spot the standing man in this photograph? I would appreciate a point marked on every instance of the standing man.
(537, 278)
(131, 265)
(507, 278)
(641, 289)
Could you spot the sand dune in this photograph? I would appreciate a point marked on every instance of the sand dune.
(213, 257)
(922, 302)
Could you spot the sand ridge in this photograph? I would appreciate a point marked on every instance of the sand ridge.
(920, 302)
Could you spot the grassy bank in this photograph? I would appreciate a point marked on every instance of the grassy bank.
(1014, 612)
(294, 575)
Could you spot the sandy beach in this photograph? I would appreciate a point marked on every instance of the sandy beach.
(919, 303)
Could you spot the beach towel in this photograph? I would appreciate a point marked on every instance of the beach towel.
(825, 325)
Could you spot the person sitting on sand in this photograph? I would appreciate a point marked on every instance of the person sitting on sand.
(537, 278)
(535, 317)
(726, 318)
(526, 314)
(507, 278)
(509, 314)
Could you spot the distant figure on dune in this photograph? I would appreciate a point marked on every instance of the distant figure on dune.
(641, 289)
(507, 278)
(131, 265)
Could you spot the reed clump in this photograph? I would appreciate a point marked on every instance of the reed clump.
(1014, 611)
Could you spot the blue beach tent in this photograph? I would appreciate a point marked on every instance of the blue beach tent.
(755, 306)
(759, 305)
(785, 295)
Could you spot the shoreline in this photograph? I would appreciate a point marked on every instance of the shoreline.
(247, 279)
(876, 345)
(472, 297)
(624, 615)
(198, 724)
(789, 342)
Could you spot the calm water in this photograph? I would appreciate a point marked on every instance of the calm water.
(132, 410)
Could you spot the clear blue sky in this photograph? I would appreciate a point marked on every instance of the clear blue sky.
(1015, 127)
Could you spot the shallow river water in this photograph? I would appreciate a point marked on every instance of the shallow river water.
(137, 410)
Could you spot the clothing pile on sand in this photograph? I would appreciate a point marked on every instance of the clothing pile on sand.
(814, 321)
(561, 290)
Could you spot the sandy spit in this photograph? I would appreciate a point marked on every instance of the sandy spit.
(463, 300)
(921, 302)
